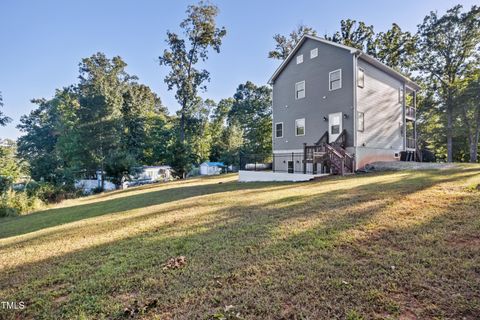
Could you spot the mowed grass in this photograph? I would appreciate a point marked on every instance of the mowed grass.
(397, 245)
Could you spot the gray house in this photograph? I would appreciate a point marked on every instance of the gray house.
(336, 109)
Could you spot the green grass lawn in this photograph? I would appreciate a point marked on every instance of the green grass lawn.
(398, 245)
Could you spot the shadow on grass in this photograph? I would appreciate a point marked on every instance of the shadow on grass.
(58, 216)
(238, 259)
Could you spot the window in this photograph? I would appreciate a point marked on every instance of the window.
(300, 59)
(300, 90)
(335, 80)
(300, 127)
(360, 121)
(361, 78)
(313, 53)
(400, 95)
(279, 130)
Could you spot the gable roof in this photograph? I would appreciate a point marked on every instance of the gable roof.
(359, 53)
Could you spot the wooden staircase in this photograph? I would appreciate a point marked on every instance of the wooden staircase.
(332, 155)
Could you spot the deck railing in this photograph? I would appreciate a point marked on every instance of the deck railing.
(411, 143)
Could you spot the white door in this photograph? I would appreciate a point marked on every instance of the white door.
(334, 126)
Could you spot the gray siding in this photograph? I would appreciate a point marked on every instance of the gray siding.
(379, 102)
(319, 101)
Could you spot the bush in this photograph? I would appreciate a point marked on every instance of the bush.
(13, 203)
(51, 193)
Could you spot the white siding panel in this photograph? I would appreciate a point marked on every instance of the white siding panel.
(378, 99)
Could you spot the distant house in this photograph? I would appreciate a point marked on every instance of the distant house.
(155, 173)
(211, 168)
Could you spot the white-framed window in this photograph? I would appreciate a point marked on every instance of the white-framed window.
(313, 53)
(400, 95)
(300, 127)
(335, 80)
(279, 130)
(360, 78)
(360, 121)
(300, 59)
(300, 90)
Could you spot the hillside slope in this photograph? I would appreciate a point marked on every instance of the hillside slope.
(401, 245)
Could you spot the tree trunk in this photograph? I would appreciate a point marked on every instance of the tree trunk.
(474, 145)
(449, 132)
(182, 126)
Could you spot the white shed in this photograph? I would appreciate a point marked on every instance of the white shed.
(211, 168)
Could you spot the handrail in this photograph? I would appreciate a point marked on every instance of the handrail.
(323, 139)
(341, 140)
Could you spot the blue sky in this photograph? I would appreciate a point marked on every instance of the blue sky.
(42, 42)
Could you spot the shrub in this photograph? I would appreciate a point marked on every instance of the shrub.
(13, 203)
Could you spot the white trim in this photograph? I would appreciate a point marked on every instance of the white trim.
(304, 127)
(330, 81)
(314, 53)
(304, 89)
(276, 129)
(300, 59)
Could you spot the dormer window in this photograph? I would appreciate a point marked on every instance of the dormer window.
(300, 59)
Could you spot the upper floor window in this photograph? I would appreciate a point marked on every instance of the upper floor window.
(300, 59)
(279, 130)
(313, 53)
(300, 90)
(361, 78)
(335, 80)
(300, 127)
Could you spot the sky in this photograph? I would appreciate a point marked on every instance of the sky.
(43, 41)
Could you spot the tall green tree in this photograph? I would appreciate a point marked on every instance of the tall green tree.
(446, 47)
(396, 48)
(356, 34)
(468, 98)
(201, 34)
(38, 145)
(101, 89)
(285, 44)
(3, 118)
(251, 112)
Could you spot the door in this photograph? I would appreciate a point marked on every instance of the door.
(334, 126)
(290, 166)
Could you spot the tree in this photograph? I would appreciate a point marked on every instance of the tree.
(446, 48)
(11, 168)
(201, 34)
(285, 44)
(218, 127)
(251, 112)
(3, 119)
(37, 145)
(356, 35)
(101, 89)
(396, 48)
(468, 98)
